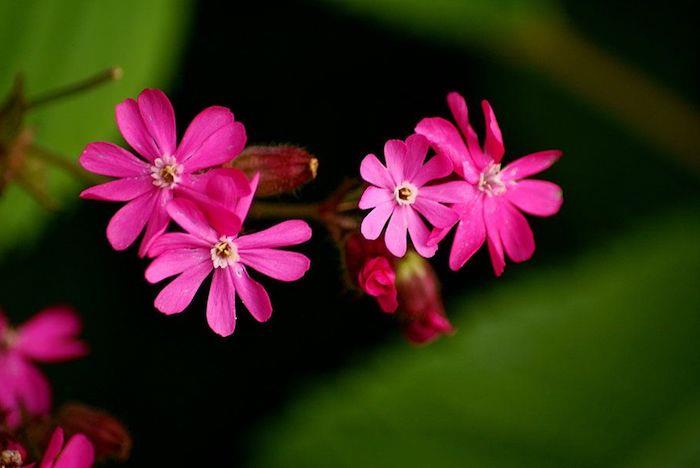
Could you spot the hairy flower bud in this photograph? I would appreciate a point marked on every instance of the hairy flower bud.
(420, 305)
(109, 436)
(282, 168)
(371, 267)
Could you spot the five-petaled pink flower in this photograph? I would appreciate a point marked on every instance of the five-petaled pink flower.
(77, 453)
(398, 193)
(50, 336)
(495, 196)
(147, 183)
(212, 242)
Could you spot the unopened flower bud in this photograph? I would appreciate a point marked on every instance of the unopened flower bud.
(420, 305)
(282, 168)
(109, 436)
(371, 267)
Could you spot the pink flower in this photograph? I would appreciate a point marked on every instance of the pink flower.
(12, 453)
(398, 193)
(212, 242)
(495, 196)
(77, 453)
(148, 183)
(50, 336)
(372, 267)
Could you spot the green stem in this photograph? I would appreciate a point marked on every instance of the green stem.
(102, 77)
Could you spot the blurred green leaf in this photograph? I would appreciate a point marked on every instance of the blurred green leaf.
(57, 42)
(594, 363)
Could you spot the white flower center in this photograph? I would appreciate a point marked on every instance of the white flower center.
(10, 458)
(224, 252)
(166, 172)
(490, 180)
(405, 193)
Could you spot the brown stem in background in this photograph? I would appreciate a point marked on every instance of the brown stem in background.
(56, 160)
(110, 74)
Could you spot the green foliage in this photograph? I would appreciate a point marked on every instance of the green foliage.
(58, 42)
(593, 363)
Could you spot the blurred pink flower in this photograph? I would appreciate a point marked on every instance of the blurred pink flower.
(398, 193)
(495, 196)
(50, 336)
(212, 242)
(371, 266)
(77, 453)
(147, 183)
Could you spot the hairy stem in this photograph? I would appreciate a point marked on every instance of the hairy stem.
(110, 74)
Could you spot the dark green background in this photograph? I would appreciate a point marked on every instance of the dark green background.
(586, 355)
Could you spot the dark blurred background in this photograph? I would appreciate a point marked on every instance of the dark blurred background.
(587, 355)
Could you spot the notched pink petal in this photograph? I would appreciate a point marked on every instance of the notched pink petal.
(125, 189)
(455, 191)
(493, 146)
(174, 262)
(536, 197)
(127, 223)
(190, 218)
(438, 215)
(395, 236)
(374, 222)
(438, 167)
(375, 173)
(253, 295)
(109, 159)
(395, 155)
(221, 304)
(530, 165)
(373, 196)
(177, 295)
(416, 151)
(159, 118)
(284, 234)
(278, 264)
(175, 241)
(213, 138)
(446, 140)
(134, 130)
(469, 235)
(419, 235)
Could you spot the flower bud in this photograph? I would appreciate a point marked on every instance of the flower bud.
(421, 311)
(371, 267)
(109, 436)
(282, 168)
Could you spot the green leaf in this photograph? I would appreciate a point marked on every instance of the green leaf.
(58, 42)
(593, 363)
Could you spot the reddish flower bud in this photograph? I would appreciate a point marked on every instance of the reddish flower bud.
(282, 168)
(420, 305)
(371, 267)
(109, 436)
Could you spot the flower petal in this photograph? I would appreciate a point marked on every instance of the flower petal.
(78, 453)
(438, 215)
(158, 222)
(51, 336)
(53, 449)
(278, 264)
(446, 140)
(213, 138)
(395, 156)
(458, 107)
(174, 262)
(438, 167)
(221, 304)
(253, 295)
(493, 238)
(373, 196)
(419, 235)
(177, 295)
(530, 164)
(536, 197)
(375, 173)
(32, 389)
(134, 130)
(416, 151)
(374, 222)
(127, 223)
(188, 216)
(469, 235)
(124, 189)
(395, 236)
(159, 118)
(174, 241)
(284, 234)
(456, 191)
(110, 160)
(493, 145)
(515, 232)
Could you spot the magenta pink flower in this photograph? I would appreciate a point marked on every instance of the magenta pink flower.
(77, 453)
(495, 196)
(212, 242)
(398, 193)
(50, 336)
(147, 183)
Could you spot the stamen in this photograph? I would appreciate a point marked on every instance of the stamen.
(166, 172)
(405, 193)
(224, 252)
(10, 458)
(490, 180)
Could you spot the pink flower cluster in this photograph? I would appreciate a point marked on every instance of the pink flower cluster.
(462, 185)
(185, 183)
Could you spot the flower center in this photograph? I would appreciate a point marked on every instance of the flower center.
(10, 459)
(405, 193)
(490, 180)
(166, 172)
(224, 252)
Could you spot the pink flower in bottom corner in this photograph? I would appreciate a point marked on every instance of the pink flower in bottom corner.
(50, 336)
(496, 196)
(147, 183)
(208, 245)
(78, 452)
(399, 194)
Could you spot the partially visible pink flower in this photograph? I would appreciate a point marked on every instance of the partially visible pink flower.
(371, 267)
(50, 336)
(399, 194)
(421, 311)
(12, 453)
(147, 183)
(212, 241)
(78, 452)
(495, 197)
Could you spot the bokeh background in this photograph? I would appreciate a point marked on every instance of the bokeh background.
(585, 356)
